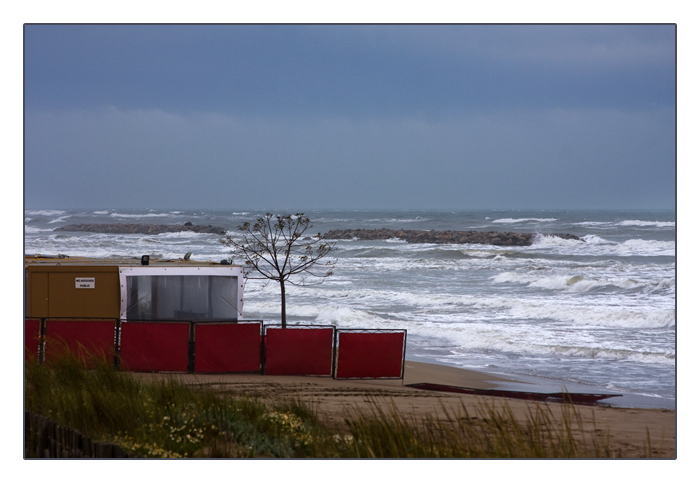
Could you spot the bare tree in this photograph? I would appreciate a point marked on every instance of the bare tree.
(275, 248)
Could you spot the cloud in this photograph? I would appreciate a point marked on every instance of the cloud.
(545, 158)
(360, 71)
(350, 116)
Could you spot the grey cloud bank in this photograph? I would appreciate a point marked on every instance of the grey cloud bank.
(453, 116)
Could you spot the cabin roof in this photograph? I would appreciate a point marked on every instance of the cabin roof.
(64, 260)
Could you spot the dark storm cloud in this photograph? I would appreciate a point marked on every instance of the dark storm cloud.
(362, 70)
(452, 116)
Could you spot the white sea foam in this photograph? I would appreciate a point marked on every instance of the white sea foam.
(593, 280)
(602, 353)
(44, 212)
(60, 219)
(396, 220)
(395, 240)
(596, 245)
(571, 283)
(593, 223)
(535, 342)
(103, 212)
(551, 241)
(184, 234)
(523, 220)
(596, 240)
(140, 215)
(658, 224)
(627, 223)
(347, 317)
(34, 229)
(481, 253)
(327, 314)
(646, 248)
(512, 277)
(601, 316)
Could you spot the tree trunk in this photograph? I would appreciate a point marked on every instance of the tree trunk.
(284, 305)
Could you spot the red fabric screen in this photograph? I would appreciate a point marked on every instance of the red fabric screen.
(227, 347)
(295, 351)
(32, 333)
(155, 347)
(82, 338)
(370, 354)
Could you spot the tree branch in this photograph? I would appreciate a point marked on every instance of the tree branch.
(277, 251)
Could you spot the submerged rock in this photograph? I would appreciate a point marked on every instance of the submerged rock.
(432, 236)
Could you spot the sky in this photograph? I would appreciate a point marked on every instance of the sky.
(449, 116)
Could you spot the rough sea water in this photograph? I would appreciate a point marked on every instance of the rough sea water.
(595, 315)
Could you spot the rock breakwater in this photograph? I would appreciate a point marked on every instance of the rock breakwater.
(447, 237)
(141, 228)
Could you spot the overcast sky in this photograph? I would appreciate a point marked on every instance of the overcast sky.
(350, 116)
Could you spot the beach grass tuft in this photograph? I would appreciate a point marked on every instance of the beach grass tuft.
(492, 432)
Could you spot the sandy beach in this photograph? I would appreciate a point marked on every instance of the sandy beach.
(630, 430)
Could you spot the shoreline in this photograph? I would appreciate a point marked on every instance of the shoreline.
(538, 384)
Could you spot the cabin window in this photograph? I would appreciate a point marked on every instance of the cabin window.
(181, 297)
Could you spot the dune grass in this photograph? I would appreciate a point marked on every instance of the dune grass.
(167, 419)
(492, 432)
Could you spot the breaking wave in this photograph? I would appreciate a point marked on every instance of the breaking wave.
(657, 224)
(523, 220)
(140, 215)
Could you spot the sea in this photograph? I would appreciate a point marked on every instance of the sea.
(591, 315)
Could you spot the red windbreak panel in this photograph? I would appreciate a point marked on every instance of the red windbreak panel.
(32, 332)
(299, 352)
(155, 347)
(370, 354)
(227, 347)
(84, 339)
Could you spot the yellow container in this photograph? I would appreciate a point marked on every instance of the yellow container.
(125, 288)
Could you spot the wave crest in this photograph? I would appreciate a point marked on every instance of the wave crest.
(658, 224)
(43, 212)
(140, 215)
(523, 220)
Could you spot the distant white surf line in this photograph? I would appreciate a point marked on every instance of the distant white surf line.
(642, 223)
(523, 220)
(144, 215)
(659, 224)
(44, 212)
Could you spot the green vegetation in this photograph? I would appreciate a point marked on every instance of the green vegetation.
(164, 419)
(167, 419)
